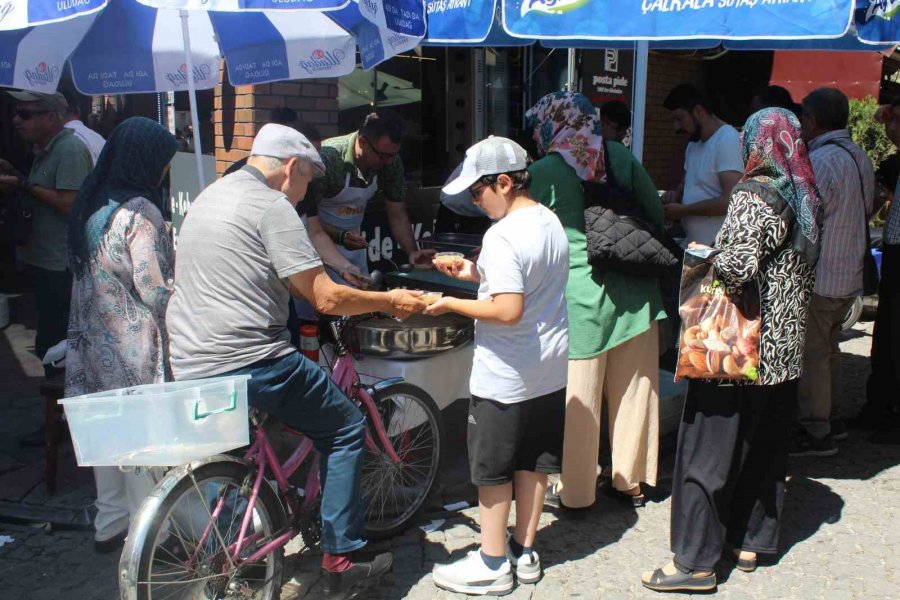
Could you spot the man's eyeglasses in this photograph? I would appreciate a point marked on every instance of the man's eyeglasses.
(379, 153)
(25, 114)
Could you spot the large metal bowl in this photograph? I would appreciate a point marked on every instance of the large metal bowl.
(416, 337)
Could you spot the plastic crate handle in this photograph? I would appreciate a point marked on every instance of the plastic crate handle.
(198, 415)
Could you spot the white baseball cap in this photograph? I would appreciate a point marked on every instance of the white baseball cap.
(281, 141)
(488, 157)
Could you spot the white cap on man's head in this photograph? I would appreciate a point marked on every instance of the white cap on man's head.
(488, 157)
(280, 141)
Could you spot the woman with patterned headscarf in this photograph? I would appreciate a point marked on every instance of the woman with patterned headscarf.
(731, 460)
(122, 263)
(613, 336)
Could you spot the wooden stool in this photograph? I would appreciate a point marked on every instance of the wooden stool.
(52, 391)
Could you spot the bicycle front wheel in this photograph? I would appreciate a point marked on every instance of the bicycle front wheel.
(186, 549)
(394, 492)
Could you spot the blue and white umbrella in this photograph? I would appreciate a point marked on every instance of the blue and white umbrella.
(33, 58)
(132, 48)
(19, 14)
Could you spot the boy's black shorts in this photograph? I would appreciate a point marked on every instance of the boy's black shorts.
(525, 436)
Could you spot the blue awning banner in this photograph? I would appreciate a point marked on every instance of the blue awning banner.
(878, 20)
(677, 19)
(459, 21)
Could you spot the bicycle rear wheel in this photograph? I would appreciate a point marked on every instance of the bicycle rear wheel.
(394, 493)
(182, 545)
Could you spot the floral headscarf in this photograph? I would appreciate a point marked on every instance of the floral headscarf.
(775, 154)
(567, 123)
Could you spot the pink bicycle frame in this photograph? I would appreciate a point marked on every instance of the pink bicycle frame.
(347, 379)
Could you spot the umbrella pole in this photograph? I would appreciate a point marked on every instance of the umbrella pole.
(192, 96)
(639, 110)
(571, 71)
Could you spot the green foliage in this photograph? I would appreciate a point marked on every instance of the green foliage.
(867, 132)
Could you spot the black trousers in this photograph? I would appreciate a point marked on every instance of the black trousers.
(730, 469)
(53, 293)
(883, 388)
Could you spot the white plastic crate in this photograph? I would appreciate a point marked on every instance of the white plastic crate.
(159, 424)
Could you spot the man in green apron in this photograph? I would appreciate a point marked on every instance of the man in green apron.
(359, 167)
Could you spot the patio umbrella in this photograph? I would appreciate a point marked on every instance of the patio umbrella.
(130, 47)
(19, 14)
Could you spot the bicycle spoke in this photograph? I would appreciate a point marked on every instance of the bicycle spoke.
(208, 569)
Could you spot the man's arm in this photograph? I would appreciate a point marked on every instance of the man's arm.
(398, 219)
(326, 249)
(713, 207)
(332, 299)
(59, 200)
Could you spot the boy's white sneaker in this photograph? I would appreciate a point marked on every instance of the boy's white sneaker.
(527, 567)
(471, 576)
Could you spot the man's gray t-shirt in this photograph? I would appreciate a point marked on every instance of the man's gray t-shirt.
(239, 243)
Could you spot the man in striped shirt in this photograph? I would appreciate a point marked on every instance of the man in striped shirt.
(846, 181)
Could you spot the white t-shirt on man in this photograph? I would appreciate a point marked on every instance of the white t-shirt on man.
(524, 253)
(93, 140)
(703, 161)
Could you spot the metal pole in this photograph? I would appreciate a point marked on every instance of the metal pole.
(639, 110)
(192, 95)
(571, 71)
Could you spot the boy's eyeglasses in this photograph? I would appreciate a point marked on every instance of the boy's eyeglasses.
(476, 188)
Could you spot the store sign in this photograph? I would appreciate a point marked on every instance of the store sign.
(607, 75)
(383, 248)
(185, 186)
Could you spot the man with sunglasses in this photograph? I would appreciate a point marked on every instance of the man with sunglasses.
(61, 163)
(360, 167)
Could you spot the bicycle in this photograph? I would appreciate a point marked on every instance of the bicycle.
(216, 528)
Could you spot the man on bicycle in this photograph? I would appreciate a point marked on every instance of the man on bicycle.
(242, 251)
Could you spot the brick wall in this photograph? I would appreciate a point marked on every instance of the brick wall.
(663, 150)
(239, 112)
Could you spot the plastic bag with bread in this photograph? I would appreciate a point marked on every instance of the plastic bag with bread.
(720, 324)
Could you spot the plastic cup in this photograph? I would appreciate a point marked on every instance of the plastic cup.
(430, 298)
(449, 259)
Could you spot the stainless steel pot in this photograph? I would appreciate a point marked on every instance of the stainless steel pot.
(416, 337)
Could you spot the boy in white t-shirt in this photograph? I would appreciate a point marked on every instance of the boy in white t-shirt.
(518, 382)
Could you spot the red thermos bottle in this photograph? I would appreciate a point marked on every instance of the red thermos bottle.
(309, 341)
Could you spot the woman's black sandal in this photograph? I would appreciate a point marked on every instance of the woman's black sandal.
(683, 580)
(634, 501)
(747, 565)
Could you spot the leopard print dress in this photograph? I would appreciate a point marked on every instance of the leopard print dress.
(755, 243)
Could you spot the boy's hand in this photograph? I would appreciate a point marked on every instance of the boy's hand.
(438, 308)
(463, 269)
(405, 302)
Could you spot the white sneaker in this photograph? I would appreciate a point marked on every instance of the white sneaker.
(470, 575)
(527, 567)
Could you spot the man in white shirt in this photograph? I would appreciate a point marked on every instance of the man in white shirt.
(712, 166)
(93, 140)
